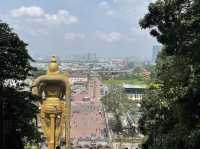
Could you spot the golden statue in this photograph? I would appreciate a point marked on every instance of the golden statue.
(54, 91)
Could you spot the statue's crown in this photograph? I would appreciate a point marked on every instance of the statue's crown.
(53, 67)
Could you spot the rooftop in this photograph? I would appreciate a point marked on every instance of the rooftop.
(134, 86)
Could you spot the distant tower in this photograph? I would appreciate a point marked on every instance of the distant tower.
(156, 49)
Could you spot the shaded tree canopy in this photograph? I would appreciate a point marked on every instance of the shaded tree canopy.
(118, 103)
(18, 110)
(171, 112)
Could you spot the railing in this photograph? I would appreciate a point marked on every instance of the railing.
(129, 140)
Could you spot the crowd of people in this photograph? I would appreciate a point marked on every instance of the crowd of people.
(87, 120)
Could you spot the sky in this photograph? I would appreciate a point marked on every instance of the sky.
(108, 28)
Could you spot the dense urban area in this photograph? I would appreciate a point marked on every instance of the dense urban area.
(94, 81)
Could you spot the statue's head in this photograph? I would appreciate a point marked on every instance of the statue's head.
(53, 67)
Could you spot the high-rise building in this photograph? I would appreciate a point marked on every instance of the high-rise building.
(156, 49)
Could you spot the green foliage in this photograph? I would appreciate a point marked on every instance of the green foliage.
(13, 56)
(18, 110)
(38, 72)
(171, 112)
(117, 103)
(129, 79)
(151, 69)
(131, 65)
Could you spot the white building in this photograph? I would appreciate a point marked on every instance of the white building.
(134, 92)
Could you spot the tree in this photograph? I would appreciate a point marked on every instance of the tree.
(131, 65)
(18, 110)
(118, 104)
(171, 112)
(38, 72)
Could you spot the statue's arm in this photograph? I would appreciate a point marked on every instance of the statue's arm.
(35, 85)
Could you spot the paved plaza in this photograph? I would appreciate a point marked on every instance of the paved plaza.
(87, 118)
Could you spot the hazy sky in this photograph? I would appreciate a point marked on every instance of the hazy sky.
(63, 27)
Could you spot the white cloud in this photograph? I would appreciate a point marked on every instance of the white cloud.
(109, 12)
(107, 8)
(33, 11)
(74, 36)
(61, 17)
(112, 37)
(38, 15)
(38, 32)
(104, 4)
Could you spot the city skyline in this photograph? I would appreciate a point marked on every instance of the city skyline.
(108, 28)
